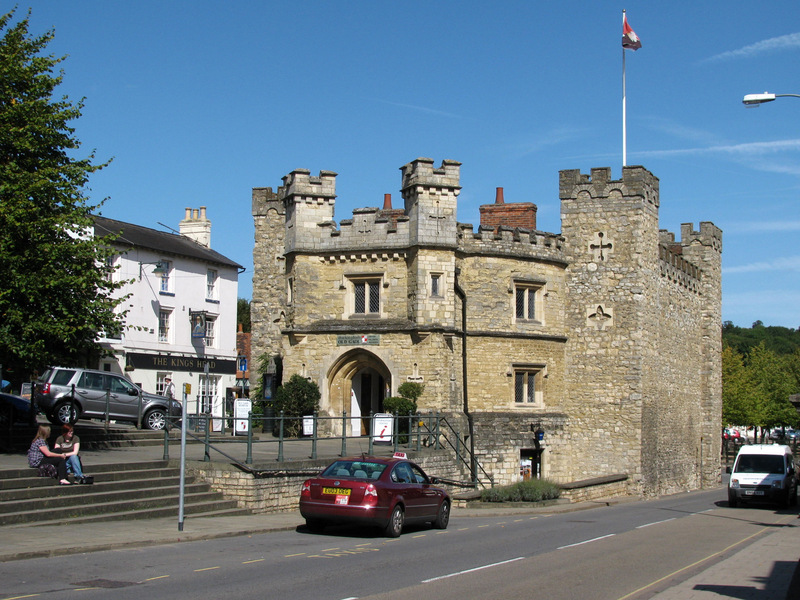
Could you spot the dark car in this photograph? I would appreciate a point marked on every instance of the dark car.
(67, 394)
(373, 491)
(14, 409)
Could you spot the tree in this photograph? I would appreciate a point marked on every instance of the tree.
(772, 383)
(736, 394)
(296, 398)
(781, 340)
(56, 294)
(243, 314)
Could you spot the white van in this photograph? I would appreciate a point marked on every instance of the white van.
(763, 473)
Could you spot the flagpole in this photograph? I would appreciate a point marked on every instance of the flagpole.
(624, 115)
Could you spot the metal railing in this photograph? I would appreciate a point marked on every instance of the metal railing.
(412, 432)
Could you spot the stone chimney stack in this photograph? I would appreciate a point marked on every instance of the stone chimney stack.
(196, 226)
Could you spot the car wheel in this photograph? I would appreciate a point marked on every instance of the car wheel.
(156, 419)
(443, 517)
(64, 412)
(732, 502)
(314, 525)
(395, 526)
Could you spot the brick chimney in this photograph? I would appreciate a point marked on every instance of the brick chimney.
(513, 215)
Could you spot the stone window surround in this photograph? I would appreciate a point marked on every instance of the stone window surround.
(436, 279)
(539, 286)
(351, 279)
(539, 371)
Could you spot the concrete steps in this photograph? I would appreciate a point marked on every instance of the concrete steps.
(121, 491)
(93, 436)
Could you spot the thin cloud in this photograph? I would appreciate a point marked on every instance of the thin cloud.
(762, 227)
(546, 140)
(783, 42)
(748, 149)
(680, 131)
(754, 155)
(424, 109)
(786, 263)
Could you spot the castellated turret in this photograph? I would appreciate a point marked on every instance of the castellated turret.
(309, 201)
(430, 197)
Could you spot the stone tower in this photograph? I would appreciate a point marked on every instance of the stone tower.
(269, 276)
(636, 311)
(430, 196)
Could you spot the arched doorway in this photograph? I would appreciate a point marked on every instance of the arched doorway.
(358, 383)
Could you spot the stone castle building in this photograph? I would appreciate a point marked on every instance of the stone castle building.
(603, 340)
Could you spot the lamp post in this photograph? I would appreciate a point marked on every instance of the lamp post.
(758, 99)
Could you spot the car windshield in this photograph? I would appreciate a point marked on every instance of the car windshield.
(356, 469)
(759, 463)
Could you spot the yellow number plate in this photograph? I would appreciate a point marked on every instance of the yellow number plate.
(336, 491)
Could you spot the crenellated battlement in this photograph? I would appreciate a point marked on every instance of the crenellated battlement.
(709, 235)
(420, 172)
(301, 186)
(636, 182)
(512, 242)
(677, 269)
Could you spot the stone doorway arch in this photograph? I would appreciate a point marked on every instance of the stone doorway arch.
(359, 381)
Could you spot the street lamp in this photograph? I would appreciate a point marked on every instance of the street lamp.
(756, 99)
(162, 267)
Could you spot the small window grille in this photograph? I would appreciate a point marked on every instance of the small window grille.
(367, 297)
(526, 302)
(525, 387)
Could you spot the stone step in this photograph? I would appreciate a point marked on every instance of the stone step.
(147, 507)
(62, 496)
(15, 478)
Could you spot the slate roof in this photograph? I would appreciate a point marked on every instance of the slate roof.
(135, 236)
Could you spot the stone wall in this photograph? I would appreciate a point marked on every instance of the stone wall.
(596, 489)
(277, 493)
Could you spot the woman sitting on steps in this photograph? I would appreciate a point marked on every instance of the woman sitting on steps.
(69, 445)
(40, 454)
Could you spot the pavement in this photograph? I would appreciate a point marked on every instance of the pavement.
(765, 567)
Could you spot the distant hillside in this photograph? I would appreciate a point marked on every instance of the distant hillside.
(780, 340)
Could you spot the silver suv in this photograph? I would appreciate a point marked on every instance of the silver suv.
(66, 395)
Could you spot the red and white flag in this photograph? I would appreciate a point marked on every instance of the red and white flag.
(630, 40)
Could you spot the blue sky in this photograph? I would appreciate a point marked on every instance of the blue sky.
(198, 102)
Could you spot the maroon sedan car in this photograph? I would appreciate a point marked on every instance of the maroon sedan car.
(382, 492)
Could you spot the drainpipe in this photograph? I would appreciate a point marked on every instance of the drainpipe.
(470, 420)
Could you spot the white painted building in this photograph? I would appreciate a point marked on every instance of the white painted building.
(181, 312)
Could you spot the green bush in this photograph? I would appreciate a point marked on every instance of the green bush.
(296, 398)
(411, 390)
(532, 490)
(401, 407)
